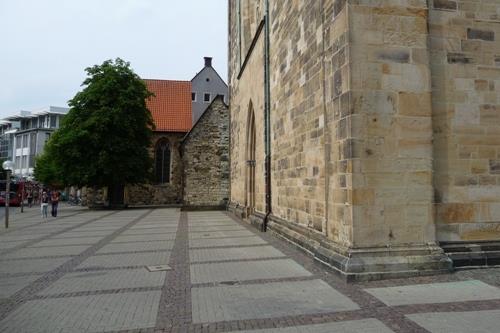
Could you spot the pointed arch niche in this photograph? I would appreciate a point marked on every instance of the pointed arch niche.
(250, 161)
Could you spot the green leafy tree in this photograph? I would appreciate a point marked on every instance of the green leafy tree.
(104, 139)
(46, 171)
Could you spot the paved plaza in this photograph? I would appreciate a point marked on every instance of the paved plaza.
(163, 270)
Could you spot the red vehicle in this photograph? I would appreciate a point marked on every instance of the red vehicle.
(16, 190)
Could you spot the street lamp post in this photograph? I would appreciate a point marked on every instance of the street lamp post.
(22, 195)
(7, 166)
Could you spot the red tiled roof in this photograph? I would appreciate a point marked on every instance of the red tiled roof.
(171, 105)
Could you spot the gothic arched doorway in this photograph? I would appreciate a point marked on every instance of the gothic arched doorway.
(250, 162)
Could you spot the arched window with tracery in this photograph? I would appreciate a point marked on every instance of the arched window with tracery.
(162, 162)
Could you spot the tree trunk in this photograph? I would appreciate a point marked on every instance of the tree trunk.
(116, 196)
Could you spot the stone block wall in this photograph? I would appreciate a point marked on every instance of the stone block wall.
(160, 194)
(384, 131)
(465, 64)
(205, 156)
(390, 124)
(298, 113)
(246, 95)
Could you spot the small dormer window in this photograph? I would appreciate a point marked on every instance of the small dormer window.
(206, 97)
(193, 97)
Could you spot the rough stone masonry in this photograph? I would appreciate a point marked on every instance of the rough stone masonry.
(385, 128)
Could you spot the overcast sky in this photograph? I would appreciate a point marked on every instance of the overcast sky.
(45, 45)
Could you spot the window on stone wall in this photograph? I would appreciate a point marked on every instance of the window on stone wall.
(193, 97)
(162, 162)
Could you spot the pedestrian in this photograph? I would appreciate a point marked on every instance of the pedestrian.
(44, 205)
(54, 199)
(30, 197)
(36, 195)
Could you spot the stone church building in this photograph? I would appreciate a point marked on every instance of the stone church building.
(368, 132)
(191, 160)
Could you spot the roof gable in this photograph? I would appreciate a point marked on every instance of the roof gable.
(204, 69)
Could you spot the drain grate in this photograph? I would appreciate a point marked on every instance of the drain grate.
(158, 268)
(229, 283)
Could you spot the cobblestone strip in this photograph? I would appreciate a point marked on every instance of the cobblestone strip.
(130, 252)
(237, 260)
(249, 282)
(41, 257)
(35, 224)
(45, 237)
(226, 246)
(47, 279)
(95, 292)
(175, 303)
(97, 269)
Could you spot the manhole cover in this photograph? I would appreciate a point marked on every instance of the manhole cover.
(158, 268)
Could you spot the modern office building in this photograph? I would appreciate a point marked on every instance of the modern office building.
(7, 132)
(33, 130)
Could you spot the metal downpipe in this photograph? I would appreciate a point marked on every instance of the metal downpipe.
(267, 116)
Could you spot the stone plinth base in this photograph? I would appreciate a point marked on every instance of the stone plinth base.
(238, 210)
(361, 263)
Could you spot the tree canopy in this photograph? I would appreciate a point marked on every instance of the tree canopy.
(104, 138)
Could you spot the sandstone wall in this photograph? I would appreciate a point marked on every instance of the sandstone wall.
(390, 124)
(305, 54)
(384, 126)
(465, 63)
(205, 155)
(297, 116)
(246, 93)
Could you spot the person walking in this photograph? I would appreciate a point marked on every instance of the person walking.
(54, 199)
(30, 197)
(44, 204)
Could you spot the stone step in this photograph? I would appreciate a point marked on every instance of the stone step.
(470, 255)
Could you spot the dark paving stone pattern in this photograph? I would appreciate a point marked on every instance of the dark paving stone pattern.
(86, 271)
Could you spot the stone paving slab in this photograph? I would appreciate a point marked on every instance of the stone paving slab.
(248, 270)
(67, 241)
(199, 224)
(10, 285)
(148, 228)
(143, 238)
(22, 237)
(472, 290)
(459, 322)
(234, 253)
(34, 252)
(105, 280)
(216, 228)
(31, 265)
(130, 259)
(77, 234)
(136, 246)
(85, 314)
(213, 304)
(215, 242)
(352, 326)
(236, 284)
(220, 234)
(152, 231)
(96, 228)
(10, 245)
